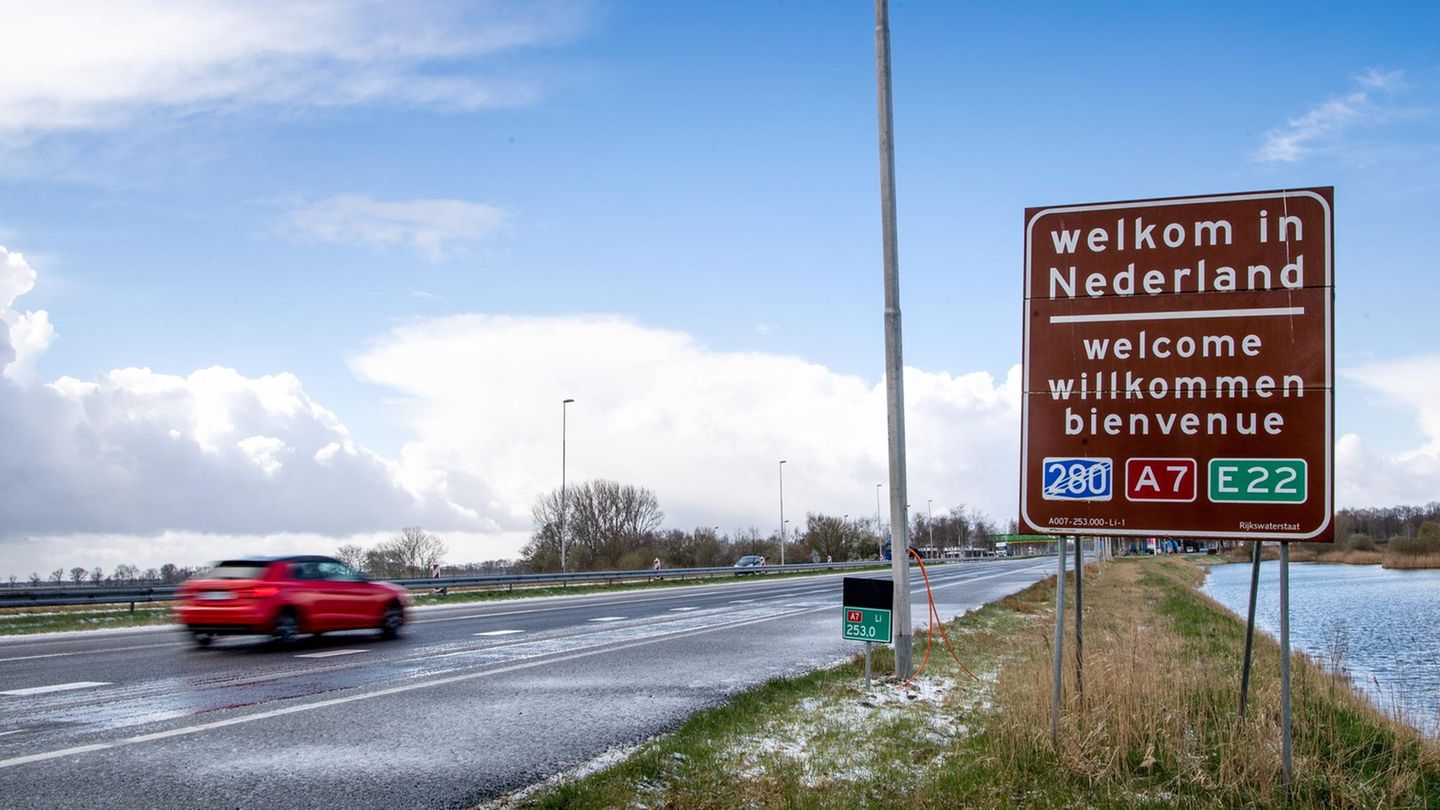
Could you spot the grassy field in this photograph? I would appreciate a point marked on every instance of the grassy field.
(24, 621)
(1156, 728)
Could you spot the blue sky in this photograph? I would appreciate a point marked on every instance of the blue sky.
(405, 209)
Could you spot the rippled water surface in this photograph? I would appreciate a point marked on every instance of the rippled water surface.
(1382, 626)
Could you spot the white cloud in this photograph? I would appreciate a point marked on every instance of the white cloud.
(27, 334)
(100, 64)
(137, 452)
(433, 228)
(1368, 478)
(1319, 128)
(703, 429)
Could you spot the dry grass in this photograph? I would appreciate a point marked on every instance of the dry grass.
(1411, 561)
(1351, 557)
(1158, 717)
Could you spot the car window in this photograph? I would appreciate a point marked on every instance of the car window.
(236, 570)
(335, 571)
(305, 570)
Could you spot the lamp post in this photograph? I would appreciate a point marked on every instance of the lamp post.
(563, 414)
(878, 531)
(782, 511)
(930, 519)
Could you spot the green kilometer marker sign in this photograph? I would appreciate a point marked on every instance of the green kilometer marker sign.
(1258, 480)
(867, 624)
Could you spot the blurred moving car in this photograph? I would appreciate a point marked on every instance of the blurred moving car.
(750, 561)
(283, 597)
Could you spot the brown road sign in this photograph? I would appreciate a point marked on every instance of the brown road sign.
(1179, 367)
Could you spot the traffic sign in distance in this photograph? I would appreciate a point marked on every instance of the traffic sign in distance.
(1178, 367)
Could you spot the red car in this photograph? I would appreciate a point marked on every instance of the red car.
(283, 597)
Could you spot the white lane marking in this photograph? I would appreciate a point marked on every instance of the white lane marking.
(323, 704)
(741, 601)
(607, 618)
(58, 687)
(331, 653)
(91, 652)
(12, 731)
(682, 609)
(499, 632)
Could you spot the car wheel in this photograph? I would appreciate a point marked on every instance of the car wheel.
(202, 639)
(287, 628)
(393, 620)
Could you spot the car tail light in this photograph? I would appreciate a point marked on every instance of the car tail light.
(258, 592)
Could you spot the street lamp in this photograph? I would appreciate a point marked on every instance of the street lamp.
(562, 480)
(930, 519)
(782, 511)
(879, 533)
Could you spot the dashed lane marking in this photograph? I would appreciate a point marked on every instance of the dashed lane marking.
(682, 609)
(741, 601)
(58, 687)
(499, 632)
(331, 653)
(607, 618)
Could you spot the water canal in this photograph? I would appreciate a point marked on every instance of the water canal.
(1381, 627)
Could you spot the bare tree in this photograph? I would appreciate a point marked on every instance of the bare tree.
(35, 579)
(408, 554)
(352, 555)
(607, 525)
(77, 574)
(57, 576)
(151, 575)
(96, 575)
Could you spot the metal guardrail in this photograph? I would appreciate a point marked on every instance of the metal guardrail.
(25, 596)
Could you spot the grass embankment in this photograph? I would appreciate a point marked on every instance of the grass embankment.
(1156, 728)
(29, 620)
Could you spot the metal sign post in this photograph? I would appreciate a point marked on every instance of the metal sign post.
(1285, 661)
(1079, 637)
(1059, 639)
(1250, 629)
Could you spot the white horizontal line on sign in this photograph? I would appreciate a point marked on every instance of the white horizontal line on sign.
(330, 653)
(499, 632)
(59, 687)
(1177, 315)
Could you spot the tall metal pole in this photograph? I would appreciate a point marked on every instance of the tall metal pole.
(1250, 628)
(782, 511)
(1059, 640)
(894, 362)
(1285, 661)
(563, 405)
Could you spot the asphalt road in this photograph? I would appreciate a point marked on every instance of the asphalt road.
(474, 701)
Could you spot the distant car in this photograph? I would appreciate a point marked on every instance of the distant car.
(750, 561)
(283, 597)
